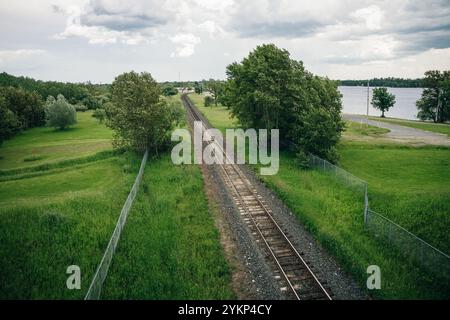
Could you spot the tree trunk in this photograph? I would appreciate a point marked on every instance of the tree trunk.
(382, 114)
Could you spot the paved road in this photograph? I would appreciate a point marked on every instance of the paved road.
(407, 134)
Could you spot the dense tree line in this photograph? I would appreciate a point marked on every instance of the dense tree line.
(19, 110)
(385, 82)
(270, 90)
(87, 94)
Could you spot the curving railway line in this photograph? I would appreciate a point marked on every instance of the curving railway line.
(295, 278)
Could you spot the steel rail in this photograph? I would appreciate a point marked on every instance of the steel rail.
(247, 184)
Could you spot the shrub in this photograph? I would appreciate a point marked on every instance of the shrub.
(99, 114)
(80, 108)
(208, 101)
(60, 114)
(169, 90)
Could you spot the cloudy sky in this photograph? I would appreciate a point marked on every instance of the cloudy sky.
(81, 40)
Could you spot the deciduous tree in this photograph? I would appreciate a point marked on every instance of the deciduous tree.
(382, 100)
(140, 117)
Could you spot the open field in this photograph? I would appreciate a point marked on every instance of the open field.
(170, 247)
(61, 210)
(43, 144)
(428, 126)
(409, 185)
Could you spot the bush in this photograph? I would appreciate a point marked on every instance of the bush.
(169, 91)
(60, 114)
(80, 108)
(208, 101)
(99, 114)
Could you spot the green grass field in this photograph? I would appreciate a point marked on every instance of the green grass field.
(61, 210)
(170, 248)
(409, 185)
(43, 145)
(428, 126)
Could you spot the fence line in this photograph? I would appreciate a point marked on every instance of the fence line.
(95, 288)
(418, 250)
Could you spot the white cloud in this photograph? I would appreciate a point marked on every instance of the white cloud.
(10, 55)
(372, 17)
(212, 28)
(185, 44)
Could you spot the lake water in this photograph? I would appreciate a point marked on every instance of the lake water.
(354, 100)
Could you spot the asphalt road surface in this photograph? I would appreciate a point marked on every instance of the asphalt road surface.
(402, 133)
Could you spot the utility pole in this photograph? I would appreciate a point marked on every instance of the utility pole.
(368, 94)
(437, 107)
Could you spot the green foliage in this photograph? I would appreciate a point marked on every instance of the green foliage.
(99, 114)
(270, 90)
(382, 100)
(139, 116)
(60, 114)
(75, 93)
(208, 101)
(215, 88)
(169, 90)
(385, 82)
(435, 97)
(80, 108)
(27, 106)
(9, 124)
(198, 87)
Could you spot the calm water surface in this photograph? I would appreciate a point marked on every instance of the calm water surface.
(354, 100)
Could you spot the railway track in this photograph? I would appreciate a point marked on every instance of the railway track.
(295, 278)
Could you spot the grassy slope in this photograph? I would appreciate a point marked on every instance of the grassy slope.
(428, 126)
(61, 213)
(408, 185)
(334, 214)
(58, 214)
(49, 145)
(170, 248)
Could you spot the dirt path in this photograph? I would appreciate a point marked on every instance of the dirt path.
(401, 133)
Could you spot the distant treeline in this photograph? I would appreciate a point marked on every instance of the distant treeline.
(385, 82)
(90, 95)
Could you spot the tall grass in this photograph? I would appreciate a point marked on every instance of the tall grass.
(170, 247)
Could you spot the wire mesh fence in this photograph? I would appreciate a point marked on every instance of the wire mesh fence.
(409, 245)
(95, 288)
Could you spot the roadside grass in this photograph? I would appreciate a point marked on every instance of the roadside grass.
(43, 144)
(357, 129)
(169, 248)
(422, 125)
(409, 185)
